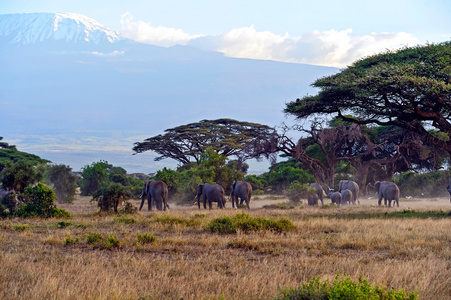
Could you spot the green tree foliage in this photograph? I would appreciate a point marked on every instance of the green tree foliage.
(429, 184)
(4, 145)
(282, 174)
(212, 168)
(94, 177)
(64, 181)
(39, 200)
(110, 195)
(13, 156)
(228, 137)
(17, 176)
(409, 88)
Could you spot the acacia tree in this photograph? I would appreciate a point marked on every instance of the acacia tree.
(409, 88)
(227, 137)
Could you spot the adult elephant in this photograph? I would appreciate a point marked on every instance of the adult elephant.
(387, 190)
(319, 191)
(156, 190)
(210, 193)
(352, 186)
(242, 190)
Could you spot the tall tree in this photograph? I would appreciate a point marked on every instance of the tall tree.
(65, 182)
(409, 88)
(228, 137)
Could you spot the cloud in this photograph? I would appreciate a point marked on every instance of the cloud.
(327, 48)
(146, 33)
(336, 48)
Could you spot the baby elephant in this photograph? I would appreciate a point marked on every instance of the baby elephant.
(346, 197)
(312, 199)
(335, 197)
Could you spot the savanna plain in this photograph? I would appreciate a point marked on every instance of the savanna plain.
(174, 254)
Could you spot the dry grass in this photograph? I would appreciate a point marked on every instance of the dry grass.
(188, 261)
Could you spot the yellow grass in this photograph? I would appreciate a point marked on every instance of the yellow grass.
(190, 262)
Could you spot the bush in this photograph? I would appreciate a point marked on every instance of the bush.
(344, 288)
(40, 202)
(296, 191)
(110, 196)
(430, 184)
(145, 238)
(243, 222)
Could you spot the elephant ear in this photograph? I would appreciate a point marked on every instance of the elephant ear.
(200, 188)
(377, 184)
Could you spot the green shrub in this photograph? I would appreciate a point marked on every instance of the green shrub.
(98, 241)
(243, 222)
(258, 192)
(296, 191)
(112, 241)
(145, 238)
(93, 237)
(124, 220)
(63, 224)
(69, 240)
(283, 205)
(20, 228)
(169, 220)
(40, 202)
(344, 288)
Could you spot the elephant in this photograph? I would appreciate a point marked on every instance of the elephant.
(449, 190)
(387, 190)
(156, 190)
(346, 197)
(312, 199)
(350, 185)
(210, 193)
(319, 191)
(335, 197)
(242, 190)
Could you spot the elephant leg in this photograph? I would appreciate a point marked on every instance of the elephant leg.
(233, 202)
(385, 201)
(321, 198)
(205, 203)
(241, 201)
(209, 204)
(165, 204)
(149, 203)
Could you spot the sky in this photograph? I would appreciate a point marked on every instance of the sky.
(321, 32)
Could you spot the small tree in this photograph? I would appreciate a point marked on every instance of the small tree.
(94, 176)
(110, 196)
(64, 181)
(39, 200)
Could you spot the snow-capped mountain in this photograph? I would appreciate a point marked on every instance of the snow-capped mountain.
(71, 28)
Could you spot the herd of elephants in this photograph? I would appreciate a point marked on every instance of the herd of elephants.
(348, 192)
